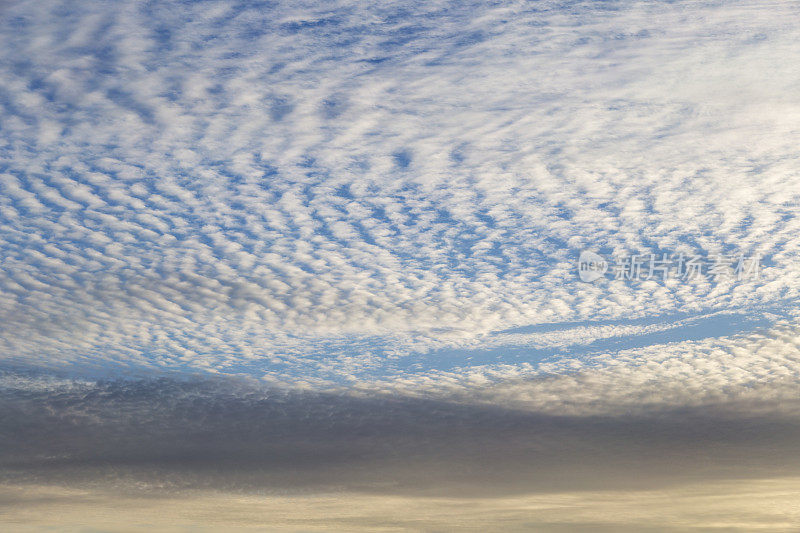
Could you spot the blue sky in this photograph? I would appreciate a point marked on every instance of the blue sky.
(327, 192)
(391, 198)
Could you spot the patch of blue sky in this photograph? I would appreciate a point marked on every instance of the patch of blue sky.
(367, 359)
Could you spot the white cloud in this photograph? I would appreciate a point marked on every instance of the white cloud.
(217, 184)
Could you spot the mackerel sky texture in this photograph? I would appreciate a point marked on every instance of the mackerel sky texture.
(326, 194)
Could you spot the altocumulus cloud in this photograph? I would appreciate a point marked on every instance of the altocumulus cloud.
(300, 246)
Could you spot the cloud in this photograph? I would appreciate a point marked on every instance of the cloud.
(765, 505)
(167, 435)
(216, 183)
(295, 248)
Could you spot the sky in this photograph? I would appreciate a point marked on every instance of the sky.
(316, 265)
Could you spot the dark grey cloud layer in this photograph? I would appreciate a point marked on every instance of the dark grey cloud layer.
(166, 434)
